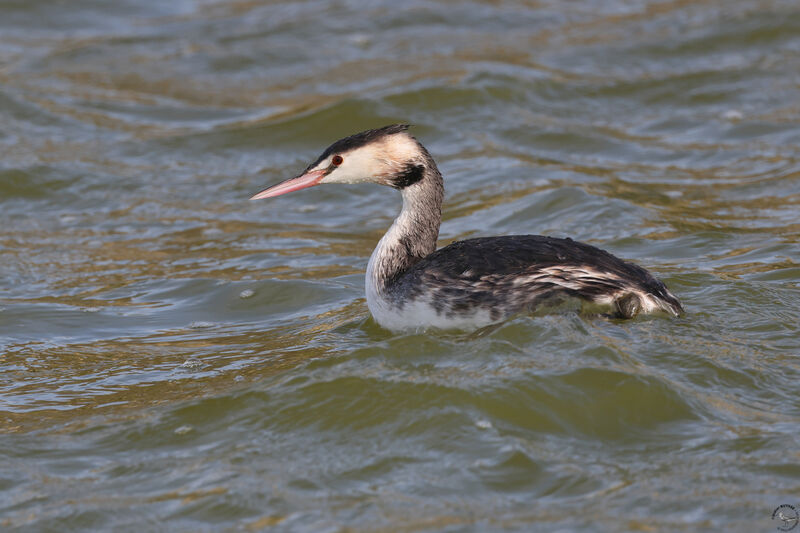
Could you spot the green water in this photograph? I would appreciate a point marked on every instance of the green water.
(176, 358)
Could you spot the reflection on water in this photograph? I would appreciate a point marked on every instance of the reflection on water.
(172, 352)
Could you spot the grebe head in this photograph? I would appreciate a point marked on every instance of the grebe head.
(387, 156)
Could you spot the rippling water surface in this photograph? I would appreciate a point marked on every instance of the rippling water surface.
(174, 357)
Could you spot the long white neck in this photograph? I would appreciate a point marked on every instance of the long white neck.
(413, 234)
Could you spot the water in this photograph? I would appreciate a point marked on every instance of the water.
(174, 357)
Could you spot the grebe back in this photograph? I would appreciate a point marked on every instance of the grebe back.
(475, 282)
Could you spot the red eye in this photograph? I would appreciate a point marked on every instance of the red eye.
(337, 160)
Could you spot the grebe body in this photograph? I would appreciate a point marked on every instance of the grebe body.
(476, 282)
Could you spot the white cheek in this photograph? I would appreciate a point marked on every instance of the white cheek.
(357, 167)
(345, 174)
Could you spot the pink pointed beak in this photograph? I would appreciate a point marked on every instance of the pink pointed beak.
(309, 179)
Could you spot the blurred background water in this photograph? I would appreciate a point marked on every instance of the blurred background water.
(176, 358)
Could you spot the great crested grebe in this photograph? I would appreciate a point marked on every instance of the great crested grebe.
(471, 283)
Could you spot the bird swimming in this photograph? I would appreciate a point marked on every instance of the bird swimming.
(410, 285)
